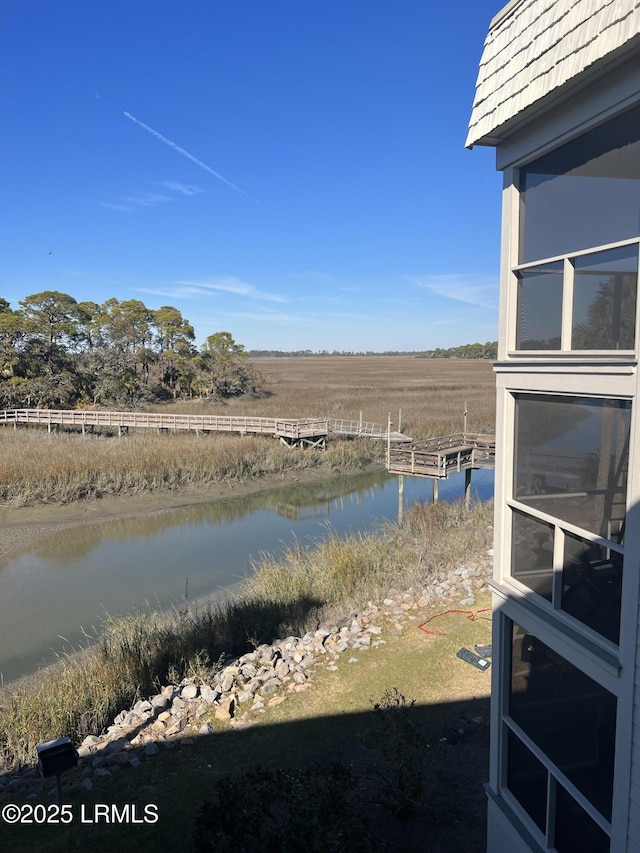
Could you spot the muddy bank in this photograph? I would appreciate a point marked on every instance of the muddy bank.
(24, 527)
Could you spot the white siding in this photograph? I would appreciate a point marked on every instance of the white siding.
(633, 829)
(502, 836)
(538, 47)
(634, 834)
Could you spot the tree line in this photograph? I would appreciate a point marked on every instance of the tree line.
(323, 353)
(56, 352)
(488, 350)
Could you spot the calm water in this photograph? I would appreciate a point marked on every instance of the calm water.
(73, 578)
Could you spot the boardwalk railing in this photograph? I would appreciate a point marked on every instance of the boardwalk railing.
(294, 428)
(340, 426)
(311, 431)
(441, 456)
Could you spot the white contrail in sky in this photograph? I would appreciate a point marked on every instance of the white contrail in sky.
(183, 152)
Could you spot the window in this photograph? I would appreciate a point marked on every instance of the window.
(528, 780)
(560, 733)
(597, 290)
(577, 276)
(574, 829)
(532, 553)
(604, 300)
(540, 307)
(568, 509)
(571, 459)
(584, 194)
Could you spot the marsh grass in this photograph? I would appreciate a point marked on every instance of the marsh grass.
(134, 655)
(345, 572)
(430, 392)
(36, 467)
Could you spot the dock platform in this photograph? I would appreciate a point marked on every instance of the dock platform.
(441, 456)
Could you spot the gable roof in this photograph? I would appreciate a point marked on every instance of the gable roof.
(536, 47)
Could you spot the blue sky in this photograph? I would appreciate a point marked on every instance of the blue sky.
(292, 171)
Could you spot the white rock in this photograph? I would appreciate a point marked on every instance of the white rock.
(190, 691)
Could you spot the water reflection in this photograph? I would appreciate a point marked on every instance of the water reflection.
(76, 576)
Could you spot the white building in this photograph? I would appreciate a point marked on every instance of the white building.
(558, 96)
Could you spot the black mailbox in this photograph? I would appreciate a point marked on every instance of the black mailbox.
(56, 756)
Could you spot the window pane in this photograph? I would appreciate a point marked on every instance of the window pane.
(527, 780)
(540, 307)
(571, 459)
(570, 717)
(585, 193)
(574, 829)
(591, 585)
(604, 300)
(532, 553)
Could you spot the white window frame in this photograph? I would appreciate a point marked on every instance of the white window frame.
(511, 503)
(560, 527)
(567, 306)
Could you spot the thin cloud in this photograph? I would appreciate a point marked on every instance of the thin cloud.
(305, 317)
(286, 319)
(184, 189)
(125, 208)
(183, 152)
(147, 199)
(235, 286)
(135, 202)
(175, 292)
(151, 199)
(470, 288)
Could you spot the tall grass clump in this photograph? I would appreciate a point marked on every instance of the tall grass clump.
(334, 571)
(346, 572)
(442, 535)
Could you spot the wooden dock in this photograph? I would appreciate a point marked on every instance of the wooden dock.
(439, 457)
(295, 432)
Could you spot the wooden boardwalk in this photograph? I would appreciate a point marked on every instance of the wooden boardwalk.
(299, 432)
(340, 426)
(439, 457)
